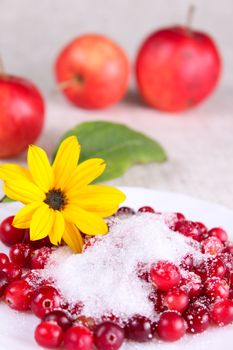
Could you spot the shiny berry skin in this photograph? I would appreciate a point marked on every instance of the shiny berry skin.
(176, 300)
(60, 317)
(20, 254)
(10, 235)
(172, 220)
(49, 335)
(3, 282)
(18, 295)
(13, 271)
(219, 233)
(3, 259)
(108, 336)
(40, 257)
(165, 275)
(191, 284)
(146, 210)
(197, 318)
(45, 299)
(212, 246)
(228, 249)
(189, 229)
(216, 287)
(171, 326)
(139, 328)
(212, 267)
(221, 313)
(125, 211)
(201, 227)
(78, 338)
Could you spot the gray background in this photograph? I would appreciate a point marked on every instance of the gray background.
(199, 143)
(33, 32)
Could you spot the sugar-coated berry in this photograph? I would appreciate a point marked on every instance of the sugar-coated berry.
(108, 336)
(40, 257)
(216, 287)
(219, 233)
(176, 299)
(189, 229)
(4, 280)
(45, 299)
(157, 298)
(18, 295)
(212, 245)
(78, 338)
(49, 335)
(171, 326)
(3, 259)
(20, 254)
(9, 234)
(197, 318)
(13, 271)
(60, 317)
(221, 313)
(165, 275)
(191, 284)
(146, 209)
(139, 328)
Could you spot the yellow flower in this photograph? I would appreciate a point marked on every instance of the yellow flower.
(59, 202)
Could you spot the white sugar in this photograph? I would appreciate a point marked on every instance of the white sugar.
(105, 279)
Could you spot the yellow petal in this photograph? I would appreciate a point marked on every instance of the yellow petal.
(66, 161)
(85, 173)
(42, 223)
(24, 191)
(57, 230)
(40, 168)
(72, 237)
(23, 218)
(8, 172)
(87, 222)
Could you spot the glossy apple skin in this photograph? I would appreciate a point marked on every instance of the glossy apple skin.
(21, 115)
(177, 68)
(97, 70)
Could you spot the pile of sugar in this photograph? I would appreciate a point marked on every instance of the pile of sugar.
(105, 277)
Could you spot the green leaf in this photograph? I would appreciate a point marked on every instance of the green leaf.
(120, 146)
(5, 199)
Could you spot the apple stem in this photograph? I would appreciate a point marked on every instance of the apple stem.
(190, 15)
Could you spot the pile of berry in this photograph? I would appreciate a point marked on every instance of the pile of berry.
(187, 297)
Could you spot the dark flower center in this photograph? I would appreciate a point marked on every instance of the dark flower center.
(55, 199)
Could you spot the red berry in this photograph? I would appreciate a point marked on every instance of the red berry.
(87, 322)
(212, 246)
(215, 288)
(125, 211)
(3, 259)
(20, 254)
(108, 336)
(228, 248)
(78, 338)
(187, 262)
(191, 284)
(40, 243)
(222, 313)
(40, 257)
(45, 299)
(197, 318)
(219, 233)
(18, 295)
(165, 275)
(13, 271)
(171, 326)
(157, 298)
(3, 282)
(201, 227)
(60, 317)
(189, 229)
(212, 267)
(49, 335)
(176, 299)
(146, 210)
(142, 271)
(10, 235)
(139, 328)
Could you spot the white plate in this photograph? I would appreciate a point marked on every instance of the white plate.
(16, 330)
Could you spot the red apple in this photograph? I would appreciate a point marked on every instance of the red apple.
(92, 71)
(21, 115)
(177, 68)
